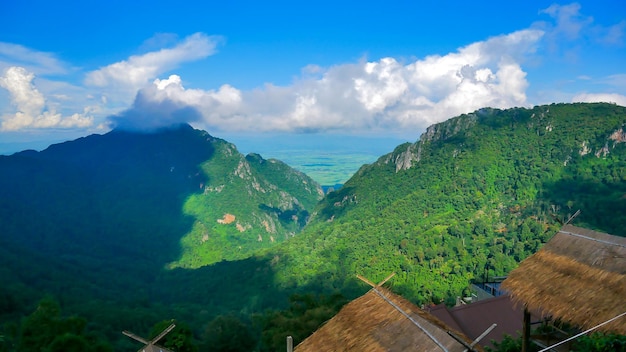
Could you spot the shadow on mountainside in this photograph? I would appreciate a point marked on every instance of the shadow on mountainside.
(93, 222)
(601, 203)
(95, 219)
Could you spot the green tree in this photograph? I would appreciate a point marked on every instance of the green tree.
(599, 342)
(226, 333)
(39, 329)
(68, 342)
(306, 313)
(180, 339)
(510, 344)
(46, 330)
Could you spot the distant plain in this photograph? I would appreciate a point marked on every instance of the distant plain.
(328, 159)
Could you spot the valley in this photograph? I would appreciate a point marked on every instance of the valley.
(128, 230)
(329, 159)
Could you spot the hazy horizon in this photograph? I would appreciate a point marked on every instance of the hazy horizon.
(329, 159)
(286, 68)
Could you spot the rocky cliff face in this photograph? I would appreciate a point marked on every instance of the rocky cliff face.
(540, 120)
(406, 155)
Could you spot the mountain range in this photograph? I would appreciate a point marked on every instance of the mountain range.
(108, 216)
(130, 228)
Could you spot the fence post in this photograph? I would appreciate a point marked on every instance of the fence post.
(526, 331)
(289, 344)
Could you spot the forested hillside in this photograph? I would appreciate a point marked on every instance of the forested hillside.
(473, 197)
(247, 204)
(95, 222)
(130, 230)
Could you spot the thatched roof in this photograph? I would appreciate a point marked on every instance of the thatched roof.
(370, 323)
(579, 277)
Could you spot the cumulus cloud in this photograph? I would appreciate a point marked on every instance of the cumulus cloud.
(382, 94)
(30, 104)
(600, 98)
(152, 109)
(105, 91)
(139, 70)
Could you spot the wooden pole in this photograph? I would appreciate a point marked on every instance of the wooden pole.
(526, 331)
(373, 284)
(386, 279)
(289, 344)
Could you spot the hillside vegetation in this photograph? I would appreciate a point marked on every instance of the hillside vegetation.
(97, 221)
(128, 230)
(248, 204)
(472, 198)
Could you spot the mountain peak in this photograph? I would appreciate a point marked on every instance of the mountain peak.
(161, 129)
(546, 121)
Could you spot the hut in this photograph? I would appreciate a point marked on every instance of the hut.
(578, 277)
(475, 318)
(383, 321)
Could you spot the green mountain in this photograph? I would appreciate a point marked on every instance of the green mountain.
(247, 204)
(97, 222)
(128, 229)
(180, 194)
(473, 197)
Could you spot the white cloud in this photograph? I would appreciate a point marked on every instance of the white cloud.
(385, 94)
(57, 103)
(24, 95)
(35, 61)
(570, 25)
(600, 98)
(617, 80)
(382, 94)
(159, 41)
(613, 35)
(30, 104)
(139, 70)
(569, 21)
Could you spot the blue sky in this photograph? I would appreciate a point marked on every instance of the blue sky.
(320, 69)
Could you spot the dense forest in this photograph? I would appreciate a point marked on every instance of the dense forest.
(98, 240)
(108, 225)
(481, 193)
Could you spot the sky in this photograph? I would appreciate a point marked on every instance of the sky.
(250, 71)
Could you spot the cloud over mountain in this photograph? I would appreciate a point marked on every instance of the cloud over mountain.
(387, 93)
(152, 110)
(381, 94)
(114, 84)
